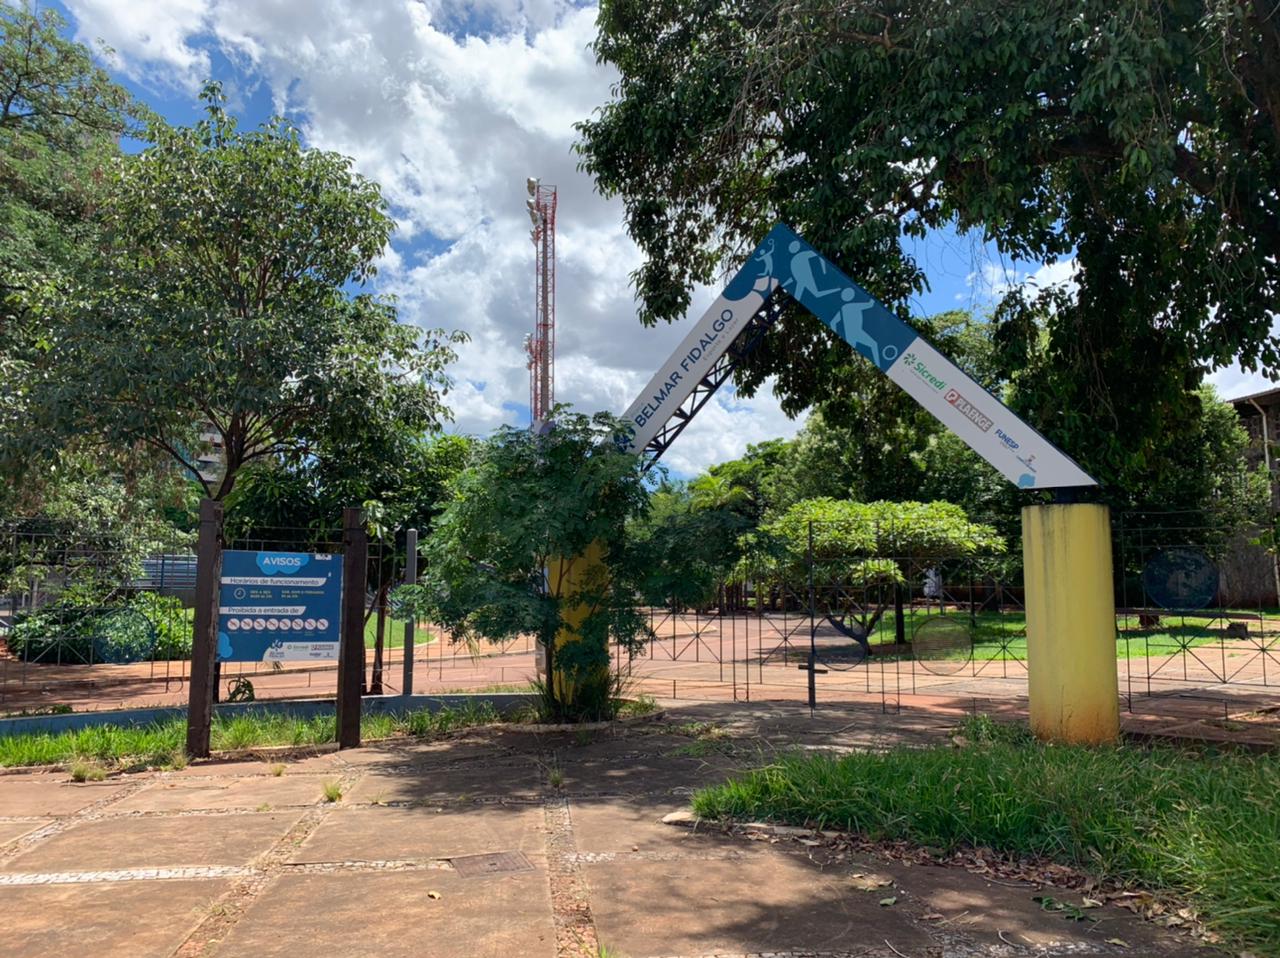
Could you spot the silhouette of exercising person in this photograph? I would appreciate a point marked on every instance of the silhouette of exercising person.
(848, 323)
(765, 279)
(802, 272)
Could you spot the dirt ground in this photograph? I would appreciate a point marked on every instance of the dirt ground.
(500, 842)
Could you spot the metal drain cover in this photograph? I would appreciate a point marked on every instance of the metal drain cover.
(495, 863)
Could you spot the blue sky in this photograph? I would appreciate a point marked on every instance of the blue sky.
(449, 106)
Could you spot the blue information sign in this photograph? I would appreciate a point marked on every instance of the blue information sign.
(279, 606)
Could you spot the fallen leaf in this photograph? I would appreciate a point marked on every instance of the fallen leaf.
(1090, 903)
(886, 902)
(433, 894)
(931, 916)
(869, 882)
(1118, 941)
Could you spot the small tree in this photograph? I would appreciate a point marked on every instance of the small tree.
(690, 542)
(223, 303)
(860, 546)
(525, 503)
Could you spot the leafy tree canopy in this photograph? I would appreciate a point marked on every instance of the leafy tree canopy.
(1143, 139)
(224, 301)
(842, 533)
(61, 118)
(526, 502)
(688, 540)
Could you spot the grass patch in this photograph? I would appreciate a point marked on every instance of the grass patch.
(87, 772)
(640, 705)
(393, 634)
(162, 744)
(1202, 825)
(1001, 636)
(332, 792)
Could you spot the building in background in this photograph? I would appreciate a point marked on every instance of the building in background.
(1260, 416)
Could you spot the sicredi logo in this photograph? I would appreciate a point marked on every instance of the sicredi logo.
(969, 410)
(917, 366)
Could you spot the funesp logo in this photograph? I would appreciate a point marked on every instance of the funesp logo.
(1008, 440)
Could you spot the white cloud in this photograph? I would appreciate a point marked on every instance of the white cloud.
(449, 106)
(1234, 381)
(148, 36)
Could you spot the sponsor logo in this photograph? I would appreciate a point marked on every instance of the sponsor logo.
(1008, 440)
(1029, 462)
(917, 366)
(969, 410)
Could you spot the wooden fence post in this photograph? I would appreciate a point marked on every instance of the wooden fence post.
(355, 564)
(204, 642)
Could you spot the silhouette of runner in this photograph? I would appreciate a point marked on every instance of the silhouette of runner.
(848, 324)
(802, 272)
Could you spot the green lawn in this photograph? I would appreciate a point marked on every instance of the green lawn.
(1000, 636)
(393, 637)
(162, 743)
(1204, 826)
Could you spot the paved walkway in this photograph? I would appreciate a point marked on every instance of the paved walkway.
(499, 843)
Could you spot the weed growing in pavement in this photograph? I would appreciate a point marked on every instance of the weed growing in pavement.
(87, 772)
(332, 791)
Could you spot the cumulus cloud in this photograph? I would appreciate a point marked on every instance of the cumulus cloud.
(449, 106)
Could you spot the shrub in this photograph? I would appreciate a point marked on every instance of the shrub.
(147, 626)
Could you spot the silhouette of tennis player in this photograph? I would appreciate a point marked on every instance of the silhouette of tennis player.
(765, 280)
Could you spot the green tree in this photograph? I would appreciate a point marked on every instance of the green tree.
(61, 118)
(224, 301)
(858, 550)
(688, 541)
(525, 502)
(1142, 139)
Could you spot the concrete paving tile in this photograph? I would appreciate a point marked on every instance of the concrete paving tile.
(450, 783)
(982, 911)
(774, 903)
(219, 769)
(152, 842)
(622, 825)
(11, 830)
(671, 775)
(375, 833)
(110, 920)
(390, 915)
(51, 794)
(205, 793)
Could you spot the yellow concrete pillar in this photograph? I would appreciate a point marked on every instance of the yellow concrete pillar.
(566, 577)
(1071, 623)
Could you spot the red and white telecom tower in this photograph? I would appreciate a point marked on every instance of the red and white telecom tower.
(541, 345)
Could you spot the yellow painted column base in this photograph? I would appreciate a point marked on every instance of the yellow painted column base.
(569, 576)
(1071, 623)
